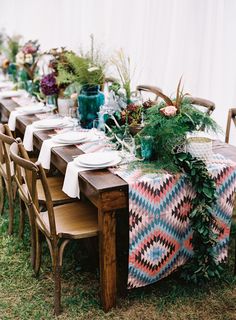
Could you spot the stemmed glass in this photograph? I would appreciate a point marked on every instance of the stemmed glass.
(75, 117)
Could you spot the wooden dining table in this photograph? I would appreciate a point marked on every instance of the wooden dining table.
(107, 191)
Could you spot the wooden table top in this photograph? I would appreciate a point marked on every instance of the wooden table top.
(100, 179)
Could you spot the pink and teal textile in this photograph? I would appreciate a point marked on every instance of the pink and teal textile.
(159, 229)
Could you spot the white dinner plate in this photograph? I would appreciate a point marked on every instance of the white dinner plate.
(95, 159)
(6, 84)
(49, 123)
(11, 93)
(116, 161)
(72, 136)
(32, 109)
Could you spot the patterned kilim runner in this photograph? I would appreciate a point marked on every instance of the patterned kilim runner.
(159, 229)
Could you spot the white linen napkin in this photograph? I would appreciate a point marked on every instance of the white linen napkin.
(45, 152)
(71, 181)
(28, 137)
(12, 119)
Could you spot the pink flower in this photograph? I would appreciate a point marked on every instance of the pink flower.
(169, 111)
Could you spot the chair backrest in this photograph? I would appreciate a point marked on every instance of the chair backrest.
(28, 193)
(152, 89)
(6, 139)
(202, 103)
(231, 117)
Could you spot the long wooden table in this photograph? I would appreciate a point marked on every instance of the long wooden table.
(106, 191)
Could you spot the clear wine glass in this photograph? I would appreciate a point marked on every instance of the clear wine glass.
(74, 117)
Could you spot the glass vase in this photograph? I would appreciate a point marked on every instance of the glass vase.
(90, 100)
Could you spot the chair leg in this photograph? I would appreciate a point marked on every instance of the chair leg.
(22, 219)
(36, 253)
(11, 209)
(2, 195)
(57, 257)
(57, 288)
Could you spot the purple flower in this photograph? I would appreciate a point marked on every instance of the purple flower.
(49, 85)
(30, 47)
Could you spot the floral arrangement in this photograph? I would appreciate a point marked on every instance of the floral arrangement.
(27, 58)
(10, 48)
(77, 69)
(85, 70)
(134, 113)
(169, 122)
(48, 85)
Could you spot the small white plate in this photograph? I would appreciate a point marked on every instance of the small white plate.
(97, 158)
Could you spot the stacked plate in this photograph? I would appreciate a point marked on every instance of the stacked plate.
(11, 93)
(32, 109)
(6, 84)
(50, 123)
(73, 137)
(98, 159)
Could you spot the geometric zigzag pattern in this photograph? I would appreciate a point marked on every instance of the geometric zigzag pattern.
(159, 229)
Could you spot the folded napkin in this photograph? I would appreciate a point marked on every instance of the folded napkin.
(71, 181)
(45, 152)
(12, 119)
(28, 137)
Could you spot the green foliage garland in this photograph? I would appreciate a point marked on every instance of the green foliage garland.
(203, 265)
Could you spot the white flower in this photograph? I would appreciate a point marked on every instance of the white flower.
(29, 58)
(91, 69)
(20, 58)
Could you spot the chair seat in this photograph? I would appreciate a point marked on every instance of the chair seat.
(75, 220)
(55, 184)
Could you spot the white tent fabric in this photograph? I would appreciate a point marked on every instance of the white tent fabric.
(164, 38)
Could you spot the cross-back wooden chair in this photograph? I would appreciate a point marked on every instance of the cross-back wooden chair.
(7, 181)
(59, 225)
(7, 174)
(151, 89)
(231, 118)
(201, 102)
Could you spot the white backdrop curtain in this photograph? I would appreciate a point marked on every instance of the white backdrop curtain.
(164, 38)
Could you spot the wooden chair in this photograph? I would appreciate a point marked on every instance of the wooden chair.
(151, 89)
(7, 180)
(231, 117)
(203, 103)
(6, 174)
(59, 224)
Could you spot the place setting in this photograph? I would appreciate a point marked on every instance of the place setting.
(50, 123)
(35, 108)
(85, 162)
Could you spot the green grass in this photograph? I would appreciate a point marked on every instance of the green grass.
(22, 296)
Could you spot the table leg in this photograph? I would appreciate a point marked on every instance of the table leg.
(107, 258)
